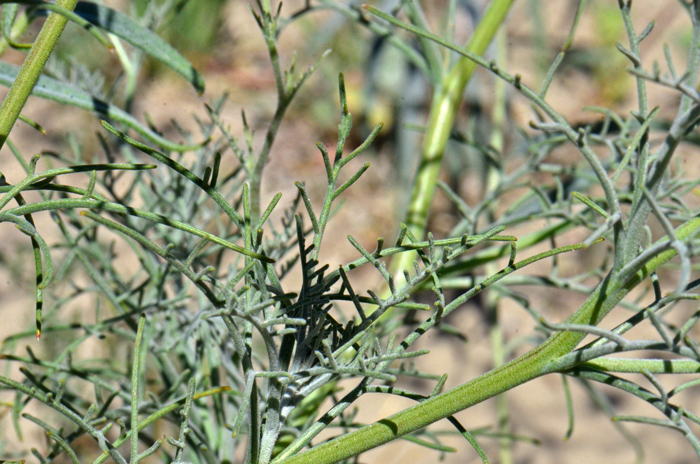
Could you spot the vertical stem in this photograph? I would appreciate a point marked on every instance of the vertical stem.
(442, 116)
(135, 370)
(31, 69)
(445, 105)
(256, 173)
(640, 207)
(493, 179)
(268, 26)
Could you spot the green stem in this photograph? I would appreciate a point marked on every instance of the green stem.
(31, 69)
(445, 105)
(533, 364)
(493, 179)
(135, 370)
(654, 366)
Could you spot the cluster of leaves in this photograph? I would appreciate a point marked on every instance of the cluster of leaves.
(239, 366)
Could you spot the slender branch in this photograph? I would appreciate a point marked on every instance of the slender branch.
(31, 69)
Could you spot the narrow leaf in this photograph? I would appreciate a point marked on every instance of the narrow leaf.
(61, 92)
(140, 37)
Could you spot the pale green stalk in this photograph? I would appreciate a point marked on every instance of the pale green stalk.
(135, 371)
(31, 69)
(446, 103)
(493, 178)
(654, 366)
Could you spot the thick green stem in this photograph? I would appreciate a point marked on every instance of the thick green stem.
(538, 362)
(446, 102)
(31, 69)
(442, 115)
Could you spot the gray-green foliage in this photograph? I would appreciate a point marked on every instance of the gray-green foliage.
(244, 368)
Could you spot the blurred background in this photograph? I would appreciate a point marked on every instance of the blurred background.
(222, 40)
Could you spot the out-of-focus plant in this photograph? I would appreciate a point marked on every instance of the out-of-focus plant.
(189, 25)
(230, 364)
